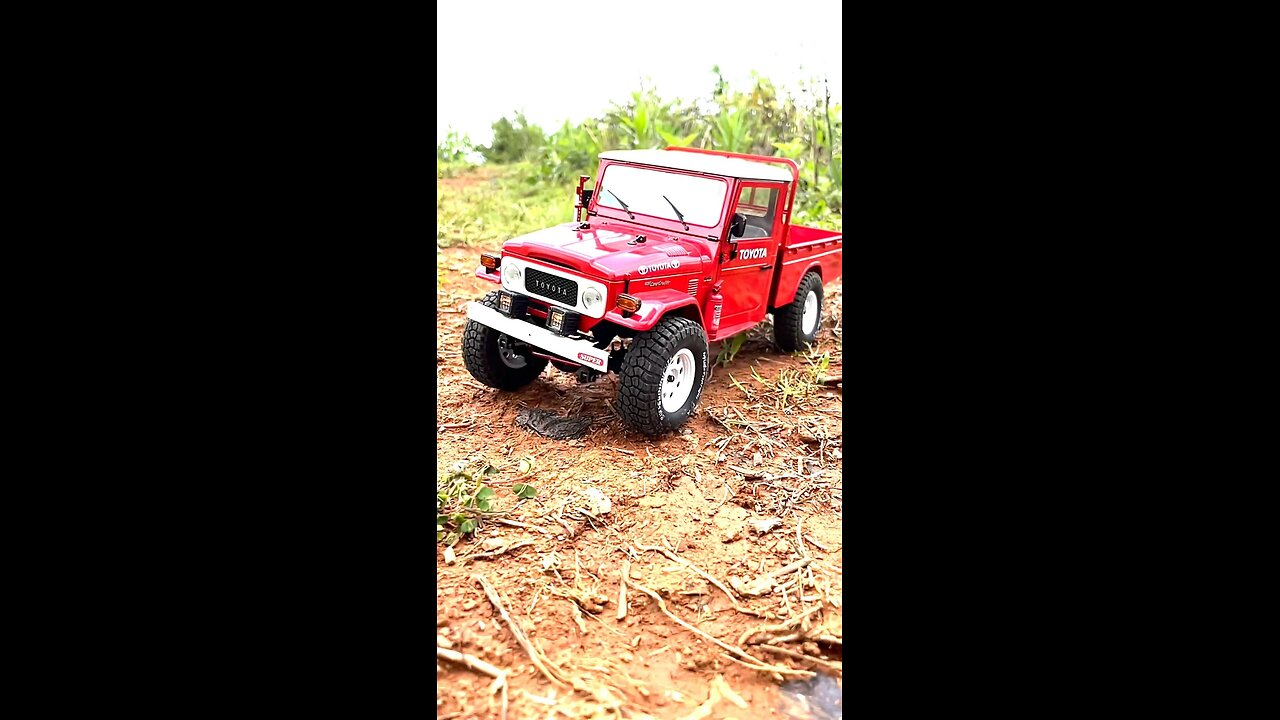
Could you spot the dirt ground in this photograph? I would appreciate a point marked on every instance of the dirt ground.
(762, 445)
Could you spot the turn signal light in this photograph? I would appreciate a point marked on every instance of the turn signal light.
(490, 261)
(629, 303)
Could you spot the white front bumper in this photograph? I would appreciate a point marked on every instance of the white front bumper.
(578, 351)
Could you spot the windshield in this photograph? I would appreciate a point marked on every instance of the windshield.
(641, 190)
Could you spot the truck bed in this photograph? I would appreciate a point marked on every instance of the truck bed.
(806, 249)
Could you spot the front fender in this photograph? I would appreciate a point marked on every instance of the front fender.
(654, 305)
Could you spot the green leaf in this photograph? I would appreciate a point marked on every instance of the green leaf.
(468, 526)
(484, 493)
(524, 491)
(484, 505)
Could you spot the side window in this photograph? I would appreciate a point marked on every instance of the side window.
(757, 205)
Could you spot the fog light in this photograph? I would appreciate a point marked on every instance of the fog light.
(562, 321)
(512, 305)
(629, 303)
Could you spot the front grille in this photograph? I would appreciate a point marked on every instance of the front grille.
(561, 290)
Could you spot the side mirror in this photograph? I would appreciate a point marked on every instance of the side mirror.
(738, 226)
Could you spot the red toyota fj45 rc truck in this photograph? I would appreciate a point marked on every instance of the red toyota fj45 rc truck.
(680, 248)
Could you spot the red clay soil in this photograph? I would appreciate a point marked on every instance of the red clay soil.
(763, 444)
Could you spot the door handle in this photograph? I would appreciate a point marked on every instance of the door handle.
(766, 267)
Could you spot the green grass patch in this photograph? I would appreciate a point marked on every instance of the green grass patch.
(488, 205)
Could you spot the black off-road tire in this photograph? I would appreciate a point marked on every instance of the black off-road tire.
(643, 370)
(483, 356)
(788, 321)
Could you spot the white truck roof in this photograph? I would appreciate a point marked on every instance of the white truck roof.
(697, 162)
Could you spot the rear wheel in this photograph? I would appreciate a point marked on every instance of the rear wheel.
(796, 324)
(663, 374)
(495, 359)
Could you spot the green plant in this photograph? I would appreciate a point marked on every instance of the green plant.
(818, 364)
(729, 350)
(463, 502)
(513, 142)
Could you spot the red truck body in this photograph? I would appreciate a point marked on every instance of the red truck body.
(750, 287)
(702, 250)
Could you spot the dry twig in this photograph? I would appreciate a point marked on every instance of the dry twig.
(749, 635)
(622, 590)
(472, 662)
(495, 553)
(817, 544)
(801, 656)
(765, 583)
(707, 576)
(538, 662)
(513, 523)
(662, 605)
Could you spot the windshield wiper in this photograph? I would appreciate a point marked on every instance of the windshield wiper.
(625, 207)
(678, 213)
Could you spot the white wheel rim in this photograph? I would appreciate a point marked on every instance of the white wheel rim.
(677, 381)
(810, 312)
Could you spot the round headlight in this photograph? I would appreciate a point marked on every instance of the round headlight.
(591, 297)
(512, 271)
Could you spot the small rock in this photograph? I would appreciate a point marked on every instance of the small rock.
(732, 535)
(449, 556)
(469, 605)
(598, 503)
(757, 459)
(686, 461)
(764, 525)
(492, 543)
(782, 547)
(626, 657)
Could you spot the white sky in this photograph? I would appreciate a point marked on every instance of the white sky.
(559, 60)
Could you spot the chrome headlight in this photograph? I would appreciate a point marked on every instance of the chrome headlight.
(513, 271)
(591, 297)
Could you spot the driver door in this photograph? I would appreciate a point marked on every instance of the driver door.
(745, 279)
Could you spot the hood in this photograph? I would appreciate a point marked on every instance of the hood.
(603, 250)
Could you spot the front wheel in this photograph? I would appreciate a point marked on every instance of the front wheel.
(663, 375)
(495, 359)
